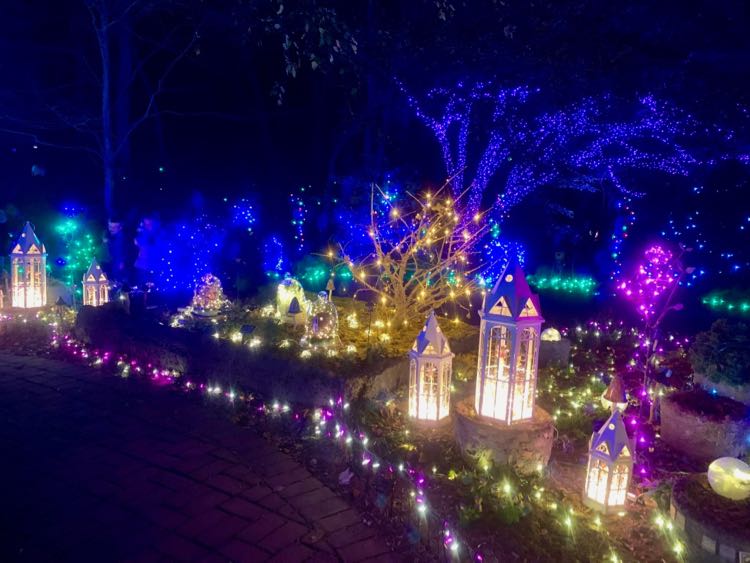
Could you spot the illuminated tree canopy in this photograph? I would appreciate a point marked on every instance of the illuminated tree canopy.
(581, 146)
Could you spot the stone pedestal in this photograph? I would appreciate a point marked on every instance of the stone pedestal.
(524, 445)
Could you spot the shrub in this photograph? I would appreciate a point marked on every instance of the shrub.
(722, 354)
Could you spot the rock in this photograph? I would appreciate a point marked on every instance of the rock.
(523, 445)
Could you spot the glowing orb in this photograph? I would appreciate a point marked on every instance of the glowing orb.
(730, 478)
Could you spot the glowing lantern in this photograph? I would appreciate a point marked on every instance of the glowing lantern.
(28, 262)
(322, 321)
(290, 300)
(614, 395)
(508, 349)
(430, 364)
(610, 466)
(95, 286)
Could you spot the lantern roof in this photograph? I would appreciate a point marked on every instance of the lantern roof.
(611, 440)
(511, 297)
(431, 340)
(94, 273)
(28, 243)
(615, 392)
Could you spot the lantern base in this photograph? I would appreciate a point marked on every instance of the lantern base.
(599, 507)
(525, 445)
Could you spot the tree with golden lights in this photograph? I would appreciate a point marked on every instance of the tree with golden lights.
(421, 257)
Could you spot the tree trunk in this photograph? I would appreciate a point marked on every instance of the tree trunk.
(108, 148)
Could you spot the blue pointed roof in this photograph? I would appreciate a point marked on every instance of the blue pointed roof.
(431, 340)
(512, 297)
(28, 243)
(611, 440)
(94, 273)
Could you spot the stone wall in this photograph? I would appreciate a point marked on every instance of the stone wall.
(701, 437)
(523, 445)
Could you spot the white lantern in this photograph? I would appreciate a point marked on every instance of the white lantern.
(322, 321)
(28, 263)
(430, 365)
(508, 349)
(610, 466)
(95, 286)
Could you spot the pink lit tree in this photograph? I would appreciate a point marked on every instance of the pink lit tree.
(652, 289)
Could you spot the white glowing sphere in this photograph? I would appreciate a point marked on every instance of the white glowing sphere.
(551, 334)
(730, 478)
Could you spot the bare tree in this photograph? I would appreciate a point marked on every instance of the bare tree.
(421, 255)
(122, 89)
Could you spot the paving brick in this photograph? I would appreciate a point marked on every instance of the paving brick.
(340, 520)
(237, 550)
(243, 508)
(255, 532)
(365, 549)
(300, 488)
(289, 533)
(350, 535)
(293, 554)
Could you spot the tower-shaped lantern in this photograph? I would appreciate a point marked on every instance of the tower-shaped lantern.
(430, 364)
(508, 349)
(28, 263)
(610, 465)
(95, 286)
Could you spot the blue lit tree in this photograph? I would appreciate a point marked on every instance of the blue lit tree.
(523, 149)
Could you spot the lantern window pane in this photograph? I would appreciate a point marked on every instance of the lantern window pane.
(523, 390)
(428, 396)
(619, 487)
(596, 486)
(413, 388)
(497, 374)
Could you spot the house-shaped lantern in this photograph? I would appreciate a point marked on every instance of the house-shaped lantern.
(610, 466)
(509, 338)
(322, 321)
(28, 263)
(95, 286)
(430, 365)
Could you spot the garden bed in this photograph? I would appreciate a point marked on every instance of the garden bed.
(717, 526)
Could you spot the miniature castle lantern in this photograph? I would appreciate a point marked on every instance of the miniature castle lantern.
(28, 263)
(430, 365)
(610, 466)
(509, 337)
(95, 286)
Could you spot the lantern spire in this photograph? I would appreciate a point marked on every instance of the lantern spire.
(431, 340)
(95, 272)
(612, 438)
(27, 242)
(511, 296)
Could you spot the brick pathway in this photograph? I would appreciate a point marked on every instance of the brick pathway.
(97, 468)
